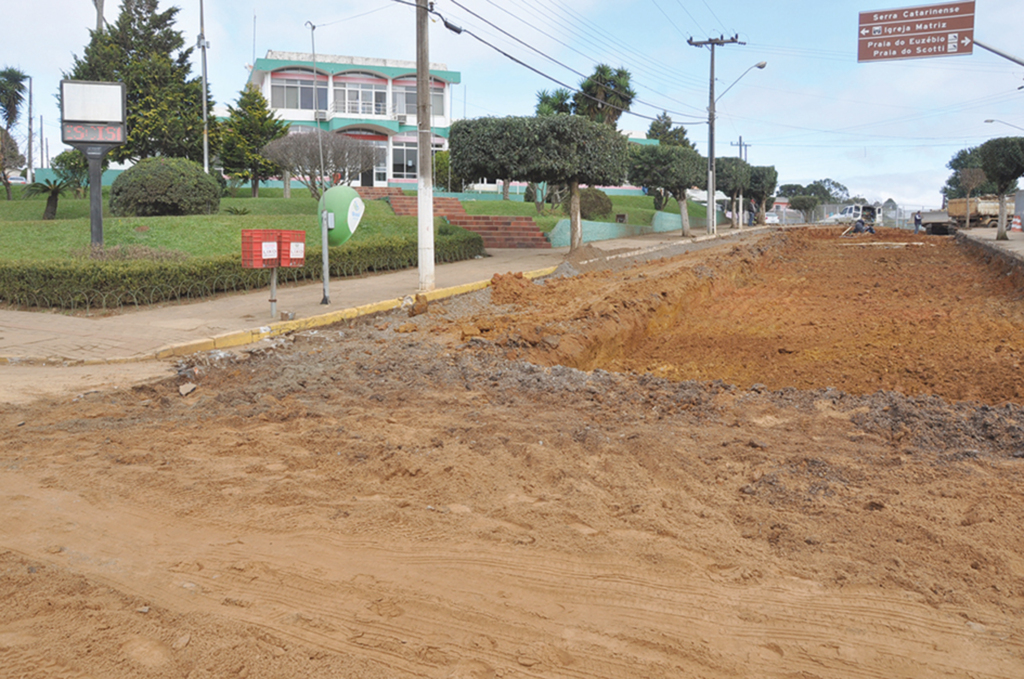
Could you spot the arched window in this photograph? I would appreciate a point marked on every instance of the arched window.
(293, 88)
(359, 93)
(403, 96)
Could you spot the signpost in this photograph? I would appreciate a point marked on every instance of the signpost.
(92, 119)
(941, 30)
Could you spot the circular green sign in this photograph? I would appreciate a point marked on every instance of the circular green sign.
(341, 208)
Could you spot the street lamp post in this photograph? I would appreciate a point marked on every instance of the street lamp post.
(990, 120)
(712, 220)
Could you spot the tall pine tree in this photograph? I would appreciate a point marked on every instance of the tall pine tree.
(250, 126)
(164, 105)
(662, 130)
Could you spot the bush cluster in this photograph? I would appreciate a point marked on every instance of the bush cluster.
(593, 203)
(89, 283)
(164, 186)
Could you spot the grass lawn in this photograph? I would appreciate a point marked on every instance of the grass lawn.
(24, 236)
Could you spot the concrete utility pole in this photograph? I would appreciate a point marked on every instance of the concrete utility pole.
(425, 182)
(31, 174)
(712, 42)
(203, 44)
(99, 14)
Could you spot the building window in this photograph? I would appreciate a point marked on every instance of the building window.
(358, 93)
(380, 145)
(404, 157)
(403, 160)
(403, 97)
(293, 88)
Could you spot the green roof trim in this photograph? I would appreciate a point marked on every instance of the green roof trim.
(392, 125)
(390, 72)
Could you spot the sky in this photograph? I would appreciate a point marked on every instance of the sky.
(884, 129)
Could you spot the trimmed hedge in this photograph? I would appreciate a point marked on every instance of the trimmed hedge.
(164, 186)
(87, 284)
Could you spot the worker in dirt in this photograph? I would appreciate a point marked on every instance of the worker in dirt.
(861, 227)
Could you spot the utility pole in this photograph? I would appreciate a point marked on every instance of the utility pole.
(31, 174)
(743, 148)
(425, 184)
(712, 42)
(203, 44)
(99, 14)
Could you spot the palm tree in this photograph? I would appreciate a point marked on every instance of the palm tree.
(53, 190)
(605, 95)
(12, 95)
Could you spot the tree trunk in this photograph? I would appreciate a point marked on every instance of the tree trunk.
(504, 188)
(575, 225)
(286, 176)
(1001, 229)
(51, 207)
(255, 188)
(684, 214)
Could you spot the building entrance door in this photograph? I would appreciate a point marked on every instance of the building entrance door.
(366, 178)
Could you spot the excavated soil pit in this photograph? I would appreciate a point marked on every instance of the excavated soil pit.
(799, 456)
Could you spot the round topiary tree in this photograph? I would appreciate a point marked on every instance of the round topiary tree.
(164, 186)
(593, 203)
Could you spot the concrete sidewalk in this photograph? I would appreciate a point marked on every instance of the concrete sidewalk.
(174, 329)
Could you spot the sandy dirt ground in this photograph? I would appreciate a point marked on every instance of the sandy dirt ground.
(796, 457)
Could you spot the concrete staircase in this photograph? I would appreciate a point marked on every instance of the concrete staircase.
(498, 231)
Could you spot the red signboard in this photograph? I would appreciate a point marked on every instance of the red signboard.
(916, 32)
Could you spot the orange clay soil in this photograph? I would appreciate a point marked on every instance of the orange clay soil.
(792, 457)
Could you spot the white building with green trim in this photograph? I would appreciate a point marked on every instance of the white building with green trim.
(370, 99)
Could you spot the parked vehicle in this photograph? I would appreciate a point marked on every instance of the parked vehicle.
(17, 179)
(853, 213)
(937, 222)
(984, 211)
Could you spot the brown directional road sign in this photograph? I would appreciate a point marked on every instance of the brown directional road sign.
(915, 32)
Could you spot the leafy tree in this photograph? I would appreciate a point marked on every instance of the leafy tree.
(53, 190)
(556, 148)
(72, 167)
(668, 168)
(444, 178)
(1002, 159)
(732, 177)
(344, 158)
(11, 156)
(12, 96)
(250, 127)
(790, 190)
(970, 178)
(762, 187)
(829, 191)
(662, 130)
(604, 95)
(805, 204)
(164, 105)
(962, 160)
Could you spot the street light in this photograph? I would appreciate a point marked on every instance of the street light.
(712, 210)
(990, 120)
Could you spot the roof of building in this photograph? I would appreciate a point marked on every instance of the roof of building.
(334, 64)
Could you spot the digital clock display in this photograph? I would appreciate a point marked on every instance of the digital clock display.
(99, 133)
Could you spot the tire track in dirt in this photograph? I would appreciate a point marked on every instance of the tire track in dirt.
(508, 611)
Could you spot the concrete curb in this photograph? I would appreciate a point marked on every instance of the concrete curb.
(239, 338)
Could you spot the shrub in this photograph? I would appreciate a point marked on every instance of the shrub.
(593, 203)
(111, 278)
(164, 186)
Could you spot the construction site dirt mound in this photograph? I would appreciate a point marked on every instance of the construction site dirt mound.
(797, 456)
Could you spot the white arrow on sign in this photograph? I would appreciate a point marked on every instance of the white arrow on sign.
(966, 42)
(863, 31)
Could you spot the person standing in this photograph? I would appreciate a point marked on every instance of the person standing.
(917, 222)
